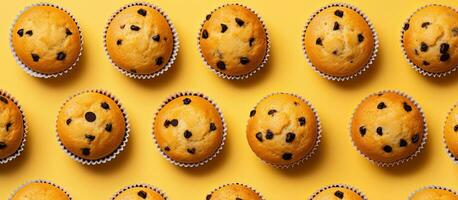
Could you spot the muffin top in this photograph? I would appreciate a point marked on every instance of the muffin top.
(139, 193)
(189, 129)
(451, 132)
(11, 127)
(431, 37)
(46, 39)
(91, 125)
(40, 191)
(233, 40)
(387, 127)
(434, 194)
(339, 41)
(234, 191)
(337, 193)
(282, 129)
(140, 40)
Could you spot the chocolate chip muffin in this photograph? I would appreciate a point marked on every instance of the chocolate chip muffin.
(140, 40)
(283, 129)
(451, 132)
(189, 129)
(339, 41)
(430, 39)
(233, 41)
(338, 192)
(46, 39)
(40, 190)
(11, 127)
(91, 125)
(139, 192)
(388, 128)
(434, 193)
(234, 191)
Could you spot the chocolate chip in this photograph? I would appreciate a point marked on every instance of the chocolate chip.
(402, 143)
(416, 52)
(187, 134)
(251, 41)
(86, 151)
(455, 31)
(319, 42)
(159, 60)
(455, 128)
(425, 24)
(134, 28)
(69, 120)
(61, 56)
(252, 113)
(362, 131)
(271, 112)
(29, 33)
(167, 148)
(425, 63)
(166, 123)
(122, 26)
(141, 12)
(221, 65)
(290, 137)
(20, 32)
(119, 42)
(4, 100)
(338, 13)
(336, 26)
(156, 38)
(204, 34)
(407, 107)
(360, 38)
(208, 17)
(444, 57)
(244, 60)
(381, 105)
(35, 57)
(191, 150)
(2, 145)
(90, 116)
(89, 137)
(423, 47)
(415, 138)
(301, 121)
(269, 135)
(108, 127)
(142, 193)
(239, 21)
(105, 106)
(379, 131)
(406, 26)
(444, 48)
(287, 156)
(223, 28)
(387, 149)
(212, 127)
(339, 194)
(68, 32)
(186, 101)
(8, 126)
(334, 52)
(133, 71)
(237, 198)
(259, 136)
(174, 122)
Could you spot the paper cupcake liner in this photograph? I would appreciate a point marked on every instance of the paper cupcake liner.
(404, 160)
(176, 43)
(40, 181)
(318, 138)
(449, 153)
(24, 127)
(243, 76)
(223, 140)
(141, 185)
(29, 70)
(432, 187)
(344, 186)
(374, 50)
(239, 184)
(115, 152)
(415, 67)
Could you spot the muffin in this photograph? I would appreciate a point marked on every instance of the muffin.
(189, 129)
(388, 128)
(40, 190)
(234, 191)
(233, 41)
(12, 128)
(339, 42)
(42, 50)
(338, 192)
(139, 192)
(283, 129)
(451, 133)
(140, 40)
(92, 126)
(434, 193)
(430, 39)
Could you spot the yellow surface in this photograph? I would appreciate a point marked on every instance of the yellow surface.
(336, 162)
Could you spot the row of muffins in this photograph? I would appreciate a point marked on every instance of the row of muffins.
(387, 127)
(42, 189)
(339, 41)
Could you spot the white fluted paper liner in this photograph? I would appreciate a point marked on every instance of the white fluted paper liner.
(432, 187)
(415, 67)
(318, 138)
(29, 70)
(404, 160)
(223, 140)
(243, 76)
(374, 51)
(449, 153)
(24, 127)
(40, 181)
(141, 185)
(236, 183)
(176, 43)
(115, 152)
(344, 186)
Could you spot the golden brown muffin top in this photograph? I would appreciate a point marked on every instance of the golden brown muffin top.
(338, 193)
(434, 194)
(451, 132)
(40, 191)
(139, 193)
(11, 127)
(234, 191)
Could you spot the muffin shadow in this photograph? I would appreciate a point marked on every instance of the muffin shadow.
(443, 81)
(116, 164)
(16, 164)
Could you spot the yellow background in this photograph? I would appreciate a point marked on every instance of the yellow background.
(287, 70)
